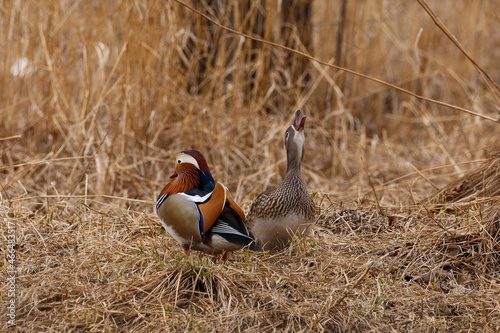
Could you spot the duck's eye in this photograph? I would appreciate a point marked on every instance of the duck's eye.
(179, 161)
(286, 135)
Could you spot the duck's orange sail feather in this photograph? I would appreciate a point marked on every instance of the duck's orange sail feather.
(234, 205)
(213, 207)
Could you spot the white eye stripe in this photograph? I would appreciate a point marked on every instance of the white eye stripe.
(185, 158)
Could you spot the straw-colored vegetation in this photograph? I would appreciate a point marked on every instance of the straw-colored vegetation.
(97, 97)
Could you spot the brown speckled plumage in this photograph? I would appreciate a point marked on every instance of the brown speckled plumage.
(291, 196)
(277, 214)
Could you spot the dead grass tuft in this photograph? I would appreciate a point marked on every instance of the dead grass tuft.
(481, 182)
(492, 224)
(479, 187)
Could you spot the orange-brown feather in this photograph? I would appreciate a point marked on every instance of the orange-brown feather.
(187, 179)
(212, 209)
(234, 205)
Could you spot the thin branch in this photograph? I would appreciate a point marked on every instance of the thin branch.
(454, 40)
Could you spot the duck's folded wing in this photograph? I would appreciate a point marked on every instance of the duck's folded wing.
(230, 226)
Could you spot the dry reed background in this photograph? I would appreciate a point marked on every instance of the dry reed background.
(113, 89)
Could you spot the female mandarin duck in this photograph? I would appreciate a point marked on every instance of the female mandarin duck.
(277, 214)
(199, 213)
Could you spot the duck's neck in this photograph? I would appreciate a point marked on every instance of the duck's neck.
(207, 182)
(189, 179)
(294, 155)
(293, 179)
(293, 168)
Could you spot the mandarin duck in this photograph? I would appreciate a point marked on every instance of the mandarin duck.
(199, 213)
(276, 215)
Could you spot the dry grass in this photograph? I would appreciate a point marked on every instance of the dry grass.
(114, 89)
(482, 182)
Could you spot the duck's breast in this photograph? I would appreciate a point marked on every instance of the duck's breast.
(275, 232)
(180, 217)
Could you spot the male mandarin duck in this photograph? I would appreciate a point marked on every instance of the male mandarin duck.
(276, 215)
(199, 213)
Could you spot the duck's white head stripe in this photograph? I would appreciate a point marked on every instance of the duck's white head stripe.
(185, 158)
